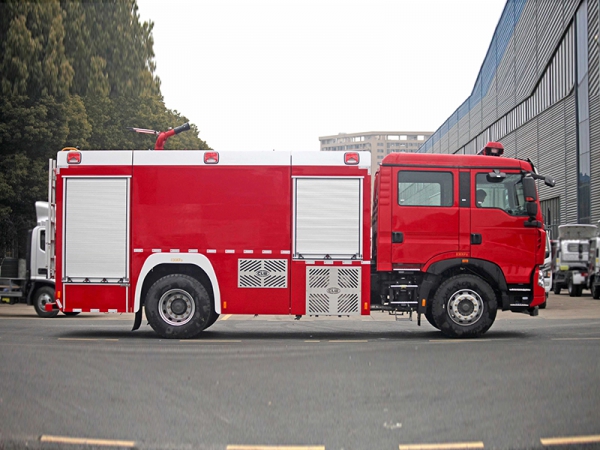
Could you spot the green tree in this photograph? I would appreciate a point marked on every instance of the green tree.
(72, 73)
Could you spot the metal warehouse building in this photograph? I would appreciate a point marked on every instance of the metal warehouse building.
(537, 93)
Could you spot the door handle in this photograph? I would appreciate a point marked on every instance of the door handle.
(397, 237)
(476, 238)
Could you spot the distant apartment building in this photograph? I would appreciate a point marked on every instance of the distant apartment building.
(379, 143)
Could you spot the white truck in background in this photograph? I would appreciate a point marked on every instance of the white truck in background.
(594, 265)
(28, 282)
(572, 258)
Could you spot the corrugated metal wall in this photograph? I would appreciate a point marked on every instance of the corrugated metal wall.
(594, 80)
(524, 96)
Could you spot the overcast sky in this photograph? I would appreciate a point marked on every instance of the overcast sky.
(276, 75)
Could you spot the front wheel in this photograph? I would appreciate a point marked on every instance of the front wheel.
(41, 297)
(595, 292)
(178, 307)
(464, 306)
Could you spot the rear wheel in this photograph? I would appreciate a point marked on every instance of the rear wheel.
(178, 307)
(595, 292)
(556, 289)
(575, 290)
(464, 306)
(41, 297)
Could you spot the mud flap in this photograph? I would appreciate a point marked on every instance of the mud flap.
(138, 320)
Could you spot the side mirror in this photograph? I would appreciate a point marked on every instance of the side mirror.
(529, 190)
(532, 209)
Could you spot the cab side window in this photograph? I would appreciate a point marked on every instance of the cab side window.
(422, 188)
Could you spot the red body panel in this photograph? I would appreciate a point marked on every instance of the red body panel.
(98, 297)
(224, 212)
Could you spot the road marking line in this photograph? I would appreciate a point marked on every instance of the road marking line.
(455, 341)
(571, 440)
(275, 447)
(312, 341)
(346, 341)
(226, 316)
(449, 445)
(86, 339)
(577, 339)
(209, 341)
(86, 441)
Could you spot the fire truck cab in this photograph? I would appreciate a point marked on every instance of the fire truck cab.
(457, 237)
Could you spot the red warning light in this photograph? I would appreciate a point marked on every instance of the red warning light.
(492, 149)
(73, 158)
(351, 158)
(211, 158)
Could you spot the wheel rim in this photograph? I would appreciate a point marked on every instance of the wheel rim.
(176, 307)
(465, 307)
(43, 299)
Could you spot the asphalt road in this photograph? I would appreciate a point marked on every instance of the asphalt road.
(318, 383)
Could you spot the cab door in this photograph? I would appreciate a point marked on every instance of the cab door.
(425, 215)
(498, 230)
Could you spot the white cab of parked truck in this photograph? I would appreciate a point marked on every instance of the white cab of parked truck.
(572, 258)
(594, 265)
(32, 285)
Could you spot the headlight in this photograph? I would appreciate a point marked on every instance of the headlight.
(541, 278)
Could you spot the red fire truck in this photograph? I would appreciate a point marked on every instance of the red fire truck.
(189, 235)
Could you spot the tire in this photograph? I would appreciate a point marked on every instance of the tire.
(596, 292)
(464, 306)
(429, 317)
(70, 313)
(578, 290)
(44, 295)
(556, 289)
(177, 306)
(572, 289)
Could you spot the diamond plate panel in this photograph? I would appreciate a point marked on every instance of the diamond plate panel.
(333, 290)
(262, 273)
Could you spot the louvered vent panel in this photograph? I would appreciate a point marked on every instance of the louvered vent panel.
(333, 290)
(262, 273)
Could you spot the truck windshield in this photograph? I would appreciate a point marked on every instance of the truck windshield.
(506, 195)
